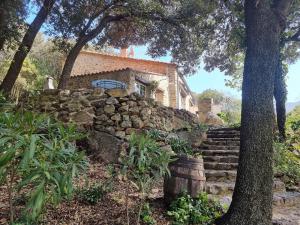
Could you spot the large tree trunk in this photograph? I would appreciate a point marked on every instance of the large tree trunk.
(2, 25)
(252, 197)
(69, 63)
(25, 47)
(280, 93)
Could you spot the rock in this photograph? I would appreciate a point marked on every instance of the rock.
(129, 131)
(97, 92)
(112, 101)
(145, 112)
(125, 117)
(117, 92)
(126, 124)
(110, 130)
(102, 117)
(109, 109)
(194, 137)
(134, 110)
(116, 117)
(213, 120)
(84, 102)
(143, 103)
(105, 146)
(168, 148)
(137, 122)
(132, 103)
(123, 108)
(82, 117)
(120, 134)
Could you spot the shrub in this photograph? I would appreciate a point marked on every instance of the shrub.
(180, 146)
(146, 215)
(200, 210)
(38, 154)
(287, 164)
(144, 165)
(92, 194)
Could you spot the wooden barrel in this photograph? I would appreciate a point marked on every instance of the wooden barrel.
(187, 175)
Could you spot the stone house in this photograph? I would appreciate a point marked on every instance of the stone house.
(158, 80)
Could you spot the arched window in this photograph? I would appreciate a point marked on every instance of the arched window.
(108, 84)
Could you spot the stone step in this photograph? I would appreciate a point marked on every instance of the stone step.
(224, 129)
(217, 142)
(220, 152)
(219, 147)
(220, 166)
(286, 198)
(219, 188)
(220, 175)
(223, 139)
(226, 188)
(222, 159)
(216, 135)
(223, 132)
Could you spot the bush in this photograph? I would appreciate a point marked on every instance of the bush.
(144, 165)
(186, 210)
(38, 154)
(92, 194)
(146, 215)
(180, 146)
(286, 163)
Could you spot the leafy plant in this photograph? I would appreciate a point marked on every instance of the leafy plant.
(202, 127)
(200, 210)
(41, 155)
(180, 146)
(155, 135)
(287, 164)
(144, 165)
(92, 194)
(146, 215)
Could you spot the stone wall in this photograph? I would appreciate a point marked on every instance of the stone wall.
(115, 111)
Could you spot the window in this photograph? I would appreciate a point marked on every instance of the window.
(140, 89)
(108, 84)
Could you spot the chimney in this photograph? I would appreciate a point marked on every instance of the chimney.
(123, 52)
(131, 53)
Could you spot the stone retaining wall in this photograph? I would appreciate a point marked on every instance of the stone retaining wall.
(113, 111)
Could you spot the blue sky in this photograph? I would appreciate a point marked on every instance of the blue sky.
(203, 80)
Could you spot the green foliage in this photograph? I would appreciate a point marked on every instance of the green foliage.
(216, 95)
(42, 155)
(144, 165)
(293, 129)
(146, 215)
(145, 162)
(286, 163)
(200, 210)
(202, 127)
(180, 146)
(92, 194)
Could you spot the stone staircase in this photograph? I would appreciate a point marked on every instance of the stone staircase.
(220, 154)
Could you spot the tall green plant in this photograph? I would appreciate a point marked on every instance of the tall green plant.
(144, 165)
(38, 154)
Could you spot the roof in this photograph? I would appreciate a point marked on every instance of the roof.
(101, 72)
(115, 70)
(128, 58)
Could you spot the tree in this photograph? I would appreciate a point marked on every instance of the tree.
(226, 51)
(252, 197)
(12, 13)
(121, 23)
(25, 46)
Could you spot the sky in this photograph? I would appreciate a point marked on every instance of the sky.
(203, 80)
